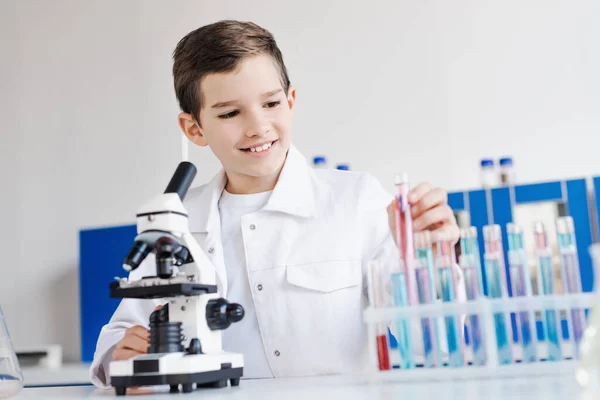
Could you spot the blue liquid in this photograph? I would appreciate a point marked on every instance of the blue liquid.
(403, 325)
(429, 326)
(529, 354)
(477, 340)
(433, 356)
(494, 281)
(455, 356)
(551, 331)
(475, 328)
(522, 287)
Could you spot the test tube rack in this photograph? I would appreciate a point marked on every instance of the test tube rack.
(485, 308)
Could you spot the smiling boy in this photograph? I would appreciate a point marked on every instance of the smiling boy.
(291, 244)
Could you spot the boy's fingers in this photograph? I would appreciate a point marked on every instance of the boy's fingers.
(447, 232)
(431, 199)
(415, 194)
(132, 342)
(138, 331)
(442, 213)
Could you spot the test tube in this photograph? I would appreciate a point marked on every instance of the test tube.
(448, 285)
(515, 237)
(404, 236)
(424, 254)
(550, 320)
(428, 325)
(377, 286)
(570, 275)
(423, 250)
(521, 283)
(470, 246)
(493, 272)
(474, 325)
(453, 332)
(400, 294)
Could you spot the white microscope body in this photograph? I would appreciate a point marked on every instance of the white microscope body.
(185, 334)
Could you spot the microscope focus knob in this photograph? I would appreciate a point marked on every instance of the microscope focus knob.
(220, 313)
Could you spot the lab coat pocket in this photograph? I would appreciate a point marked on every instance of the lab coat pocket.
(325, 277)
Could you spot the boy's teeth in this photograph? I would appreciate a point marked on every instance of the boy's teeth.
(260, 148)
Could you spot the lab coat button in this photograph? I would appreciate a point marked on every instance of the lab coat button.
(252, 227)
(259, 287)
(277, 353)
(211, 250)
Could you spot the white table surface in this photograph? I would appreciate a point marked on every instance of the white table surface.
(67, 374)
(363, 387)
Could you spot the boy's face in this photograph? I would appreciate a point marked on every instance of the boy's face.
(246, 118)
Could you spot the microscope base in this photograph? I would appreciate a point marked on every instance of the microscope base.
(174, 369)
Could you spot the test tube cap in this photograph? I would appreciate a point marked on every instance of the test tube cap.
(513, 228)
(539, 235)
(468, 232)
(565, 225)
(401, 178)
(422, 239)
(492, 232)
(538, 227)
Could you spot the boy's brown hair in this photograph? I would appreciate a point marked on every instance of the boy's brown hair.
(219, 47)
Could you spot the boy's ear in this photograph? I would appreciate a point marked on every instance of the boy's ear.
(191, 129)
(291, 98)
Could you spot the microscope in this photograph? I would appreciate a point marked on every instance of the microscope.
(185, 334)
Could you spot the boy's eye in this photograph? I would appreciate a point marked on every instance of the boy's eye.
(230, 114)
(272, 104)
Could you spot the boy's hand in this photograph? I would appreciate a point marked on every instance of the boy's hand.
(133, 343)
(429, 210)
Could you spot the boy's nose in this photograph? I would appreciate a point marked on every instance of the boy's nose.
(258, 125)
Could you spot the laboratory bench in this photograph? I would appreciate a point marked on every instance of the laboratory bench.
(558, 385)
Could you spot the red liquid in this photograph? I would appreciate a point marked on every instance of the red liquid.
(382, 352)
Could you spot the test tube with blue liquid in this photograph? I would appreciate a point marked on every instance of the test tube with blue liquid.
(469, 246)
(521, 284)
(570, 275)
(445, 262)
(546, 287)
(496, 283)
(403, 334)
(474, 324)
(427, 295)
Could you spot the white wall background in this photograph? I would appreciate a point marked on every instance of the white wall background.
(88, 115)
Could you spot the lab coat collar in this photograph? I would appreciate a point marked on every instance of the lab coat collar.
(293, 194)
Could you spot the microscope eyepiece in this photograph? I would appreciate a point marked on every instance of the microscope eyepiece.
(182, 179)
(136, 255)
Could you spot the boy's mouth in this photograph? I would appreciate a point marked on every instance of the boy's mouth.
(261, 147)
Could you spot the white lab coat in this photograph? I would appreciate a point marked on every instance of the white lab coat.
(307, 253)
